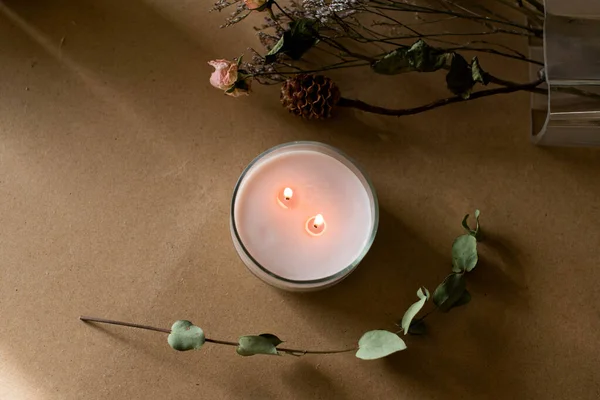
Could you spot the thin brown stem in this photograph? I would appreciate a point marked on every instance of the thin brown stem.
(391, 5)
(532, 15)
(344, 102)
(300, 352)
(283, 11)
(129, 324)
(295, 352)
(223, 342)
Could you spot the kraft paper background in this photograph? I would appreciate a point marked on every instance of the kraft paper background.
(117, 164)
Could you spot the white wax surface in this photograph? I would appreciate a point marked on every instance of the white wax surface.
(276, 237)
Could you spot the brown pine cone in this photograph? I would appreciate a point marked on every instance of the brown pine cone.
(310, 96)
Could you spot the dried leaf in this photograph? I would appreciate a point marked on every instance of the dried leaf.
(185, 336)
(479, 75)
(414, 309)
(473, 232)
(378, 344)
(272, 338)
(459, 80)
(419, 57)
(449, 291)
(464, 253)
(261, 344)
(464, 299)
(296, 41)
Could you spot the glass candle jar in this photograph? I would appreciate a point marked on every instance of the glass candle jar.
(303, 216)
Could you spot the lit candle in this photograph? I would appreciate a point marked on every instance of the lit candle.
(303, 216)
(284, 197)
(315, 226)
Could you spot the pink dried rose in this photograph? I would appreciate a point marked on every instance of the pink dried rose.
(254, 4)
(225, 74)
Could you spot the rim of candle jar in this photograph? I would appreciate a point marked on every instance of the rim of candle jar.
(338, 276)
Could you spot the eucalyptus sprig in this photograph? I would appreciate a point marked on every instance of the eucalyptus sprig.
(452, 292)
(184, 336)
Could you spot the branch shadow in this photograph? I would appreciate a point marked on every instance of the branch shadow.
(310, 382)
(500, 271)
(439, 357)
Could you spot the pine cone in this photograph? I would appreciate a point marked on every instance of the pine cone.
(310, 96)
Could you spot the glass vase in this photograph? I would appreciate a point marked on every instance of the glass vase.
(569, 115)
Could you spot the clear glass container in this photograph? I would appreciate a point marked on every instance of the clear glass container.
(569, 115)
(282, 282)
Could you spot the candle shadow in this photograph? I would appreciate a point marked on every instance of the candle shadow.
(385, 283)
(379, 292)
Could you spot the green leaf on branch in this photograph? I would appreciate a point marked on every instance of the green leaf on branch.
(419, 57)
(462, 77)
(278, 48)
(395, 62)
(478, 74)
(378, 344)
(265, 343)
(459, 79)
(185, 336)
(464, 299)
(473, 232)
(413, 310)
(464, 253)
(296, 41)
(272, 338)
(448, 293)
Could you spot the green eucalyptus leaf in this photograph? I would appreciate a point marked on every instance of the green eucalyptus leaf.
(478, 74)
(272, 338)
(303, 32)
(463, 299)
(424, 58)
(459, 79)
(378, 344)
(478, 234)
(296, 41)
(261, 344)
(413, 310)
(466, 225)
(417, 327)
(185, 336)
(449, 291)
(419, 57)
(393, 63)
(279, 47)
(464, 253)
(473, 232)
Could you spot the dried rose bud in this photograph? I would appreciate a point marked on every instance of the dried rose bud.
(225, 74)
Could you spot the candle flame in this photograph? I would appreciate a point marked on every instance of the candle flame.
(318, 220)
(287, 193)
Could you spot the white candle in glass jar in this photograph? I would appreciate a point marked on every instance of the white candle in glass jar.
(303, 216)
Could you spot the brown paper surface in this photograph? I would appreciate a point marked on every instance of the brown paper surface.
(117, 164)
